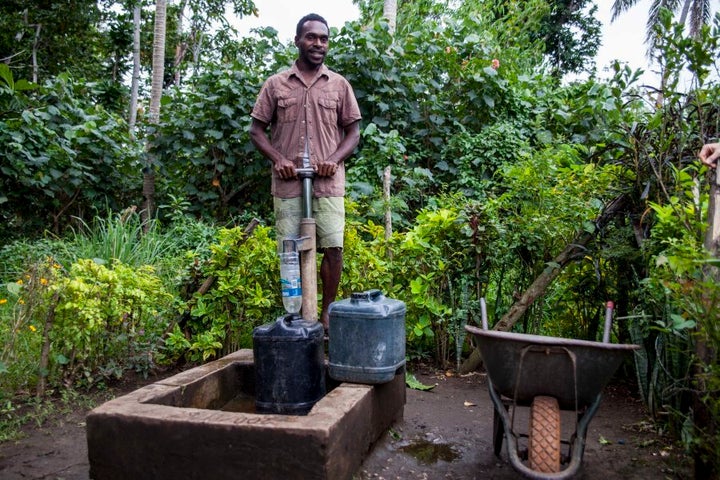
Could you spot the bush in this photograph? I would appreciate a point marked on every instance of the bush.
(245, 293)
(107, 320)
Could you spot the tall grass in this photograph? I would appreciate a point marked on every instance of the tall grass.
(121, 236)
(124, 237)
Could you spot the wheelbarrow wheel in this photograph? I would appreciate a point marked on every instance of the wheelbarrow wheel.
(544, 438)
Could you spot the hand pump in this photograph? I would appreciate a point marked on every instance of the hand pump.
(308, 246)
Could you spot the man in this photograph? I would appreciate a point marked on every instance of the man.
(313, 117)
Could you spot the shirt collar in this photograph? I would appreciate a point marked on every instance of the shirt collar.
(294, 70)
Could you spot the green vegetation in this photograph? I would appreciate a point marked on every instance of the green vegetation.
(501, 175)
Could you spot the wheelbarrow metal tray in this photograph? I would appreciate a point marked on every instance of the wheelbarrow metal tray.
(523, 366)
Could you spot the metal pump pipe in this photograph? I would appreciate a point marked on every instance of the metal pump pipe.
(306, 174)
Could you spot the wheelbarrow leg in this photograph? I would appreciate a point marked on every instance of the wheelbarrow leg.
(498, 429)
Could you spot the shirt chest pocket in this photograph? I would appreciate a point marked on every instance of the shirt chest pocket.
(288, 109)
(328, 110)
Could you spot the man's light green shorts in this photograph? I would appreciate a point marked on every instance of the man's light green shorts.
(329, 214)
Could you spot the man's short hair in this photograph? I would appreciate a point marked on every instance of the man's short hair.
(309, 18)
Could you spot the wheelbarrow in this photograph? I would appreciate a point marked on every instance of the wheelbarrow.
(546, 374)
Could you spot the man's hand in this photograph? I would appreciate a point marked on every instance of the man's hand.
(326, 169)
(709, 154)
(285, 169)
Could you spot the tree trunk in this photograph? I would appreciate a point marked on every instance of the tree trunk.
(36, 42)
(158, 60)
(158, 74)
(390, 14)
(182, 46)
(135, 86)
(704, 353)
(540, 284)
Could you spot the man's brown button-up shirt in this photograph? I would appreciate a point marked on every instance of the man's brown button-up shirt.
(312, 116)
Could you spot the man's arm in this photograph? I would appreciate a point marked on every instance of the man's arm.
(328, 167)
(284, 167)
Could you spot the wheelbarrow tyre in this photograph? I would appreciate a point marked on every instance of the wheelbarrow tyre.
(544, 439)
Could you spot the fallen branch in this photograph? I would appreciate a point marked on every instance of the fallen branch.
(209, 281)
(575, 249)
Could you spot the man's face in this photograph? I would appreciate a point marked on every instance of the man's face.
(313, 42)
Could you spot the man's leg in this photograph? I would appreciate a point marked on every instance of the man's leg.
(287, 219)
(330, 272)
(330, 217)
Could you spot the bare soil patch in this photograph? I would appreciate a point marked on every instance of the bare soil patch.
(446, 433)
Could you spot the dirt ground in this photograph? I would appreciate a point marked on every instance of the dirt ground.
(446, 433)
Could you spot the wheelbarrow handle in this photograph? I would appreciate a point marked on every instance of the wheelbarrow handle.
(483, 313)
(608, 321)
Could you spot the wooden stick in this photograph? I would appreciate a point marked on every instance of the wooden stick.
(45, 353)
(386, 199)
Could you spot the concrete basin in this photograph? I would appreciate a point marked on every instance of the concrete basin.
(200, 424)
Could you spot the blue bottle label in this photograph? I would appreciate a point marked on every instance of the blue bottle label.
(291, 292)
(291, 287)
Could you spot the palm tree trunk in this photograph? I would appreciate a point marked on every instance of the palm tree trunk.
(158, 60)
(158, 74)
(135, 86)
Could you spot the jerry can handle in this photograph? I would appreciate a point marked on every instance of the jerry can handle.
(291, 317)
(367, 296)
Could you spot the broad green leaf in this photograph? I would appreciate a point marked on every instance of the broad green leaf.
(6, 75)
(412, 382)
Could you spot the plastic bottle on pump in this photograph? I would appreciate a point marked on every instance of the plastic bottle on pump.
(290, 281)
